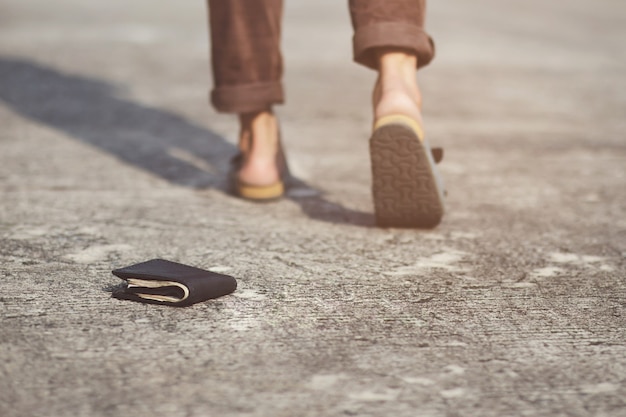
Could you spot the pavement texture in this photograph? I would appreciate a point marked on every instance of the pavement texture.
(110, 155)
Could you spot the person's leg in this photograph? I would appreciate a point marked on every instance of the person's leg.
(245, 51)
(247, 71)
(389, 37)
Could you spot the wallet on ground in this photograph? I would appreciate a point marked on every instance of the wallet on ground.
(159, 281)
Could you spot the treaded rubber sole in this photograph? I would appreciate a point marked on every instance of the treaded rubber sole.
(405, 187)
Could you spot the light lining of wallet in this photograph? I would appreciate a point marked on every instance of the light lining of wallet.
(134, 282)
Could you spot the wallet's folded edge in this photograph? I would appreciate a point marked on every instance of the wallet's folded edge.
(137, 284)
(153, 274)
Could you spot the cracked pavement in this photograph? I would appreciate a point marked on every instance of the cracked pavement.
(110, 155)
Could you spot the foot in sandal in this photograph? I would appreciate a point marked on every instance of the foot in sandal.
(407, 189)
(259, 175)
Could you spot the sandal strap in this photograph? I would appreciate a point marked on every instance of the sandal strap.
(437, 154)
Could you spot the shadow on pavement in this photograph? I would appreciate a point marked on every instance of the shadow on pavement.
(158, 141)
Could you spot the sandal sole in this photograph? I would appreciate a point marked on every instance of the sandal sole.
(259, 193)
(406, 187)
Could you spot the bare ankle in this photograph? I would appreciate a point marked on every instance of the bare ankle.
(258, 141)
(260, 128)
(396, 89)
(392, 59)
(256, 120)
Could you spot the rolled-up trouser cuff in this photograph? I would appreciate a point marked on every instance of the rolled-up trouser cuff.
(391, 34)
(247, 98)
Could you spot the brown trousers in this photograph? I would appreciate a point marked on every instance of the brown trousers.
(245, 45)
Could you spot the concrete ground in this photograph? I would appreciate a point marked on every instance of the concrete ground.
(109, 155)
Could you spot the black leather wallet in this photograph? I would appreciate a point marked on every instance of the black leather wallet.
(169, 283)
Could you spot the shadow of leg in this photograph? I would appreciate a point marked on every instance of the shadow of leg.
(158, 141)
(88, 110)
